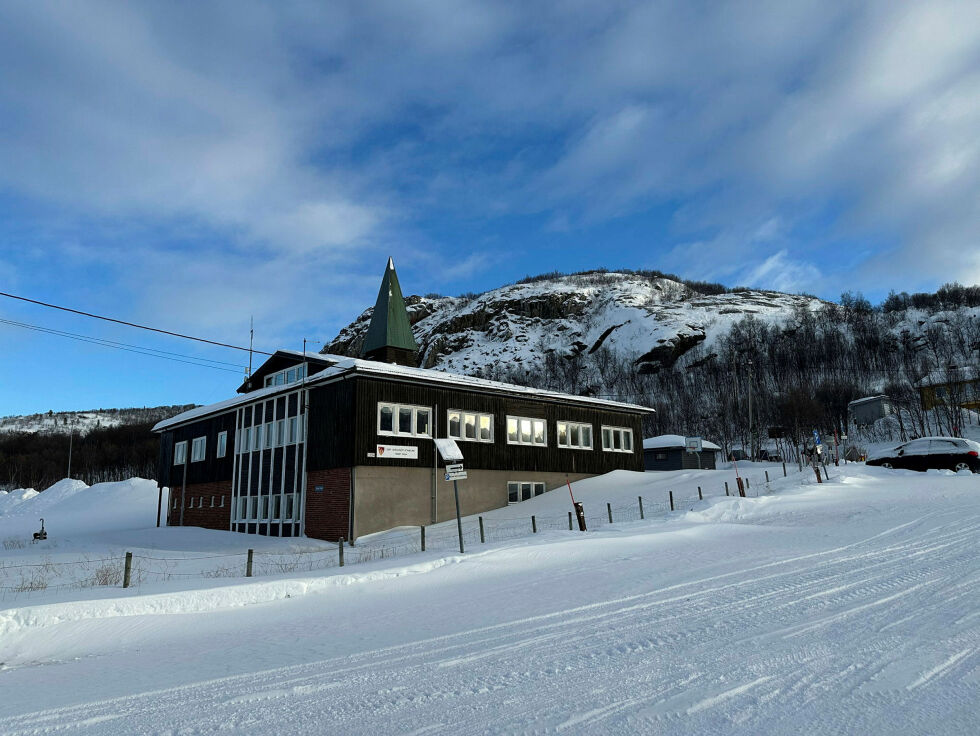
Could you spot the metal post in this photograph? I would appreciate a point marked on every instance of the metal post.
(767, 476)
(248, 565)
(700, 495)
(459, 521)
(159, 502)
(609, 511)
(534, 525)
(784, 468)
(183, 486)
(569, 521)
(640, 499)
(726, 487)
(671, 494)
(422, 528)
(483, 538)
(340, 550)
(128, 569)
(71, 431)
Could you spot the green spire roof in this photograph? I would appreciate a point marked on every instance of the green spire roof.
(389, 323)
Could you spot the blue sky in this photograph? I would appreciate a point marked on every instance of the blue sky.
(192, 165)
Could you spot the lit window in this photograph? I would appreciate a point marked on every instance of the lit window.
(526, 431)
(575, 435)
(180, 453)
(471, 426)
(222, 444)
(617, 439)
(404, 420)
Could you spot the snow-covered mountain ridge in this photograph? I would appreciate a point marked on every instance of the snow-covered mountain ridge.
(83, 422)
(654, 321)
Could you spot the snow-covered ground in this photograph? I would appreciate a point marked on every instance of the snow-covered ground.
(851, 606)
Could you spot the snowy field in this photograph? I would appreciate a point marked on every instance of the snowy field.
(847, 607)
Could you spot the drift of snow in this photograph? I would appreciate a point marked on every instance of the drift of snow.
(845, 607)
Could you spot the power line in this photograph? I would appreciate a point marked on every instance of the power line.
(151, 352)
(132, 324)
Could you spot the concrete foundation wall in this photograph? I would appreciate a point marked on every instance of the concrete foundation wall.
(388, 497)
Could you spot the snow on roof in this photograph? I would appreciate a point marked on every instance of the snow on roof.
(341, 366)
(943, 376)
(673, 440)
(867, 399)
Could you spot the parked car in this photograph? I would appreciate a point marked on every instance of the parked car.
(950, 453)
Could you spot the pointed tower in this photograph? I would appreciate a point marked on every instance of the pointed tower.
(389, 338)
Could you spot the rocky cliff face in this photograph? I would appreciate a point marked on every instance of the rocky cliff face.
(652, 321)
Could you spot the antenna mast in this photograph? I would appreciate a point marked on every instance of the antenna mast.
(251, 338)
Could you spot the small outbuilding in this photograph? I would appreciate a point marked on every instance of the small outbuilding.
(869, 409)
(667, 452)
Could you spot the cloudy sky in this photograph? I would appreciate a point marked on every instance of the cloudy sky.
(192, 165)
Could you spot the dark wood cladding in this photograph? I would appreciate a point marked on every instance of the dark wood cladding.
(497, 455)
(331, 426)
(209, 470)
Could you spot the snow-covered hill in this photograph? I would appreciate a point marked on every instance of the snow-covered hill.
(653, 320)
(83, 422)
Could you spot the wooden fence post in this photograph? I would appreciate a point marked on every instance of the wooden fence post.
(422, 529)
(534, 525)
(767, 476)
(128, 569)
(483, 537)
(784, 468)
(726, 487)
(700, 495)
(671, 494)
(640, 499)
(248, 565)
(609, 511)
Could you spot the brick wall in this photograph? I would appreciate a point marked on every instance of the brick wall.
(328, 511)
(207, 516)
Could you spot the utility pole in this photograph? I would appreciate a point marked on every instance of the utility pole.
(71, 430)
(751, 435)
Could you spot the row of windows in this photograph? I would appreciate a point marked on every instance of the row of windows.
(289, 375)
(217, 502)
(271, 434)
(284, 507)
(403, 420)
(199, 449)
(523, 490)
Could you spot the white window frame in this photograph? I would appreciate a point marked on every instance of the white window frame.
(199, 449)
(281, 378)
(623, 433)
(534, 421)
(222, 447)
(537, 488)
(180, 452)
(477, 417)
(568, 435)
(395, 414)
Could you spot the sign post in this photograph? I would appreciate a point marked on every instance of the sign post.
(453, 457)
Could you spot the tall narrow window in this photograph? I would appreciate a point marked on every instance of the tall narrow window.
(198, 449)
(222, 449)
(180, 453)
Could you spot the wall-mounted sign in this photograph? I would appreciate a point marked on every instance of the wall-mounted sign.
(398, 452)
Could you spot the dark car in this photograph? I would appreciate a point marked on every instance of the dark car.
(951, 453)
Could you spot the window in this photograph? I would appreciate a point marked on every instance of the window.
(523, 490)
(575, 435)
(257, 437)
(660, 456)
(253, 507)
(617, 439)
(404, 420)
(276, 506)
(280, 433)
(245, 440)
(289, 506)
(286, 376)
(198, 449)
(222, 444)
(468, 425)
(242, 508)
(525, 431)
(264, 512)
(180, 453)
